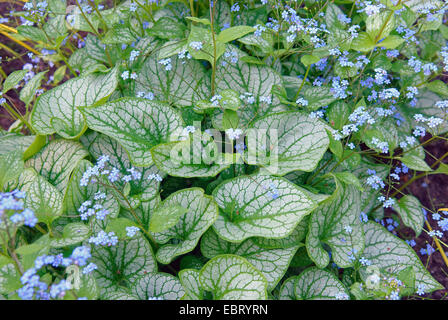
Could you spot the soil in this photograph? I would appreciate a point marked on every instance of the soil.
(432, 190)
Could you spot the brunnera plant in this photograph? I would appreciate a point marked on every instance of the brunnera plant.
(221, 149)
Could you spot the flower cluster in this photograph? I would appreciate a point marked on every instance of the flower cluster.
(12, 208)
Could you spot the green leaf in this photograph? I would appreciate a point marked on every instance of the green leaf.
(272, 263)
(9, 278)
(75, 194)
(15, 142)
(338, 114)
(380, 25)
(141, 190)
(164, 217)
(167, 28)
(363, 42)
(298, 141)
(137, 124)
(30, 248)
(207, 52)
(391, 255)
(200, 20)
(230, 277)
(119, 34)
(43, 199)
(335, 145)
(29, 90)
(171, 48)
(391, 42)
(410, 211)
(243, 77)
(73, 233)
(328, 225)
(438, 87)
(119, 225)
(56, 110)
(185, 83)
(259, 205)
(32, 33)
(308, 60)
(292, 240)
(158, 285)
(13, 79)
(349, 179)
(197, 156)
(59, 74)
(57, 160)
(125, 263)
(189, 278)
(234, 33)
(185, 234)
(332, 13)
(415, 163)
(11, 166)
(230, 99)
(316, 284)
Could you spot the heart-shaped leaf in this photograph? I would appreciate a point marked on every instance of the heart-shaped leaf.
(190, 282)
(186, 81)
(410, 211)
(43, 199)
(202, 212)
(292, 141)
(391, 255)
(231, 277)
(272, 263)
(137, 124)
(141, 190)
(158, 285)
(337, 224)
(56, 110)
(314, 284)
(197, 156)
(123, 264)
(57, 160)
(259, 205)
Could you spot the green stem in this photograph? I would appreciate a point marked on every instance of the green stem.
(303, 82)
(214, 47)
(19, 116)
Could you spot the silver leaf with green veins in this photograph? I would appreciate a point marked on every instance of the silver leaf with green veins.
(202, 213)
(259, 205)
(243, 77)
(57, 160)
(43, 199)
(158, 285)
(314, 284)
(272, 263)
(302, 142)
(123, 264)
(143, 189)
(391, 255)
(189, 278)
(56, 110)
(184, 84)
(328, 223)
(137, 124)
(410, 211)
(231, 277)
(76, 194)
